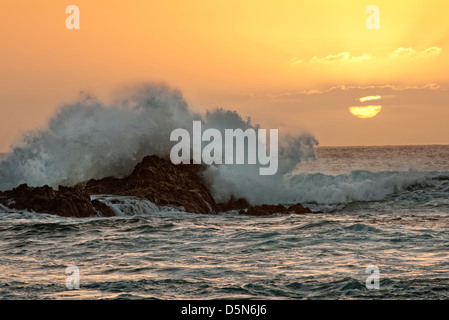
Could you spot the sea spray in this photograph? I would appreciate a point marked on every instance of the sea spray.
(239, 147)
(90, 139)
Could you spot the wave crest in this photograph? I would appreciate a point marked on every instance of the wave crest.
(90, 139)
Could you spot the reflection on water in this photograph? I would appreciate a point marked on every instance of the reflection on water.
(203, 257)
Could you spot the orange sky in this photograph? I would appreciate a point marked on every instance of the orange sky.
(289, 64)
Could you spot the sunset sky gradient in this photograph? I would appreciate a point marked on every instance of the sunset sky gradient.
(292, 65)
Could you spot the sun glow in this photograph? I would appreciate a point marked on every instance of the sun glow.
(365, 112)
(369, 98)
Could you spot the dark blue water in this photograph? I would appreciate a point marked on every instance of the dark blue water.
(383, 206)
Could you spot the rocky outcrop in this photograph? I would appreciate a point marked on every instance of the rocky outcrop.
(155, 179)
(66, 201)
(163, 183)
(234, 204)
(244, 208)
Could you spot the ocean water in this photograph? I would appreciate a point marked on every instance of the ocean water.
(382, 206)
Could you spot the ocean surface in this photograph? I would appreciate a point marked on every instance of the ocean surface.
(382, 206)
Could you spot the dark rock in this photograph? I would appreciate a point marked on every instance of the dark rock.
(163, 183)
(299, 209)
(154, 178)
(234, 204)
(66, 201)
(102, 209)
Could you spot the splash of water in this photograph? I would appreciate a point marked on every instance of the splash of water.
(91, 139)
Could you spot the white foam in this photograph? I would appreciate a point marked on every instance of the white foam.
(132, 206)
(90, 139)
(355, 186)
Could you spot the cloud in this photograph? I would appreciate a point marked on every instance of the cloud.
(369, 98)
(403, 52)
(409, 52)
(394, 87)
(431, 86)
(342, 56)
(362, 58)
(331, 58)
(346, 56)
(295, 61)
(431, 52)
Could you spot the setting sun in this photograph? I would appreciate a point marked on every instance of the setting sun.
(365, 112)
(369, 98)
